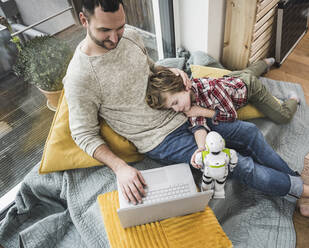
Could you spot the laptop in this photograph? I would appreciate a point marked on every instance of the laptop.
(170, 192)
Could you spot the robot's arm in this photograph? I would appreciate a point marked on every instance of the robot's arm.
(233, 159)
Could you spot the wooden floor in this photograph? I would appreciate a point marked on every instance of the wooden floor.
(296, 69)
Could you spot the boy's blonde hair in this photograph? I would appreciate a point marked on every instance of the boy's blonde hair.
(162, 80)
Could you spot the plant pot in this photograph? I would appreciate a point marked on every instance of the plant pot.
(52, 98)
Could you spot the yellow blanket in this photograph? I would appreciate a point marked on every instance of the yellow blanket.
(194, 230)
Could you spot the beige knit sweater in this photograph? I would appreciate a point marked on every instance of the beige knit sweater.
(113, 86)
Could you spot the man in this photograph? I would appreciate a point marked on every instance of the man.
(108, 76)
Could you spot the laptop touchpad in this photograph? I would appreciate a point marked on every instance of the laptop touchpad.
(155, 177)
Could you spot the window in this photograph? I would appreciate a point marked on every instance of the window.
(154, 21)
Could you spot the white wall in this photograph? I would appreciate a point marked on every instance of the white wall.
(199, 25)
(191, 17)
(216, 23)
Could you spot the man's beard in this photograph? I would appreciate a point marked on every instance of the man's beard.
(103, 43)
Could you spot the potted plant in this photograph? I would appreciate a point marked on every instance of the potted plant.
(42, 61)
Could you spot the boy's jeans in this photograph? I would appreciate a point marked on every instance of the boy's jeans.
(259, 166)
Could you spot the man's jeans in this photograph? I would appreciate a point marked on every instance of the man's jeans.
(259, 166)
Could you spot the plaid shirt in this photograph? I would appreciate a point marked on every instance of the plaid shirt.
(224, 95)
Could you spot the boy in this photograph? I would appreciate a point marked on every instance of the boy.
(259, 166)
(220, 98)
(217, 99)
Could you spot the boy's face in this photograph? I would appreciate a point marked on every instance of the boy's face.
(179, 102)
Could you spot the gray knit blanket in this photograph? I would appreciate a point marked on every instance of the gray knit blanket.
(61, 210)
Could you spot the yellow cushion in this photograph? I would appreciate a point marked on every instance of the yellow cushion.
(61, 153)
(244, 113)
(196, 230)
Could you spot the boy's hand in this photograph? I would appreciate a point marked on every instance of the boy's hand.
(131, 183)
(195, 165)
(184, 76)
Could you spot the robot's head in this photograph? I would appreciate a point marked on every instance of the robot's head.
(214, 142)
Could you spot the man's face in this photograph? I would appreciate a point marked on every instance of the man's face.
(105, 28)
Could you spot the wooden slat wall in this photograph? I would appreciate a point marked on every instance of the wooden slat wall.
(266, 25)
(261, 11)
(270, 14)
(249, 31)
(240, 18)
(264, 31)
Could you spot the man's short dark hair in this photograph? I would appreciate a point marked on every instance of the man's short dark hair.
(88, 6)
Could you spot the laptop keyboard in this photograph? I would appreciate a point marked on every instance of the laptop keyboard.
(171, 192)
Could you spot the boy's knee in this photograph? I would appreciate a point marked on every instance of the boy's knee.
(252, 129)
(243, 133)
(244, 169)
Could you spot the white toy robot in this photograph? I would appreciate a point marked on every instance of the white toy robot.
(215, 161)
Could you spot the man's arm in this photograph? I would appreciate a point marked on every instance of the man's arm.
(130, 179)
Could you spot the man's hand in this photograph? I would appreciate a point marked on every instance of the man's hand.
(184, 76)
(130, 179)
(131, 183)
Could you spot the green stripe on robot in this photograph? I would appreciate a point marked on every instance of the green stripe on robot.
(216, 166)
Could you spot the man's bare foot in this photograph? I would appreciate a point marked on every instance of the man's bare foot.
(304, 209)
(303, 202)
